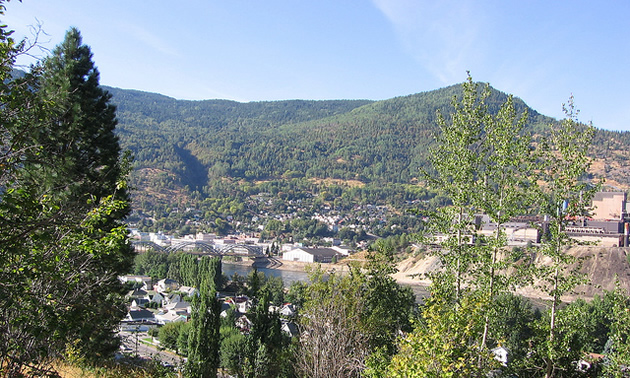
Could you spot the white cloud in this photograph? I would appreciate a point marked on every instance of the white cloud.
(151, 40)
(442, 36)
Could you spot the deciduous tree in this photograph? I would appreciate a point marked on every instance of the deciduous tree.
(204, 338)
(564, 197)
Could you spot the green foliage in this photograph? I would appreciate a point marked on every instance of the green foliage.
(203, 336)
(484, 163)
(512, 325)
(442, 344)
(352, 319)
(564, 198)
(233, 346)
(381, 294)
(182, 339)
(264, 342)
(481, 163)
(151, 263)
(298, 293)
(619, 349)
(64, 194)
(169, 334)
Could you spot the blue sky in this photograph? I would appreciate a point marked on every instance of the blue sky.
(540, 51)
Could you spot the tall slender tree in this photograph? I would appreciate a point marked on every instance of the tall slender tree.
(204, 338)
(456, 158)
(564, 198)
(505, 173)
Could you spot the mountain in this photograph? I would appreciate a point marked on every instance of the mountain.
(191, 150)
(199, 141)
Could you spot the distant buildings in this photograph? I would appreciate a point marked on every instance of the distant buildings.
(608, 225)
(311, 255)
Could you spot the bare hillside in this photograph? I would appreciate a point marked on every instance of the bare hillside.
(602, 265)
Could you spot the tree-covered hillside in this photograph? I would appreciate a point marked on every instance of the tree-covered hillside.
(187, 151)
(202, 141)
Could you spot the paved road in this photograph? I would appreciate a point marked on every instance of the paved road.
(147, 351)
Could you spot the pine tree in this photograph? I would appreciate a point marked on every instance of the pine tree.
(63, 244)
(88, 168)
(83, 135)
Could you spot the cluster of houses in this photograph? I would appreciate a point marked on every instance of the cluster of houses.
(152, 306)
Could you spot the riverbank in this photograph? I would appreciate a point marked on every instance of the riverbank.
(419, 286)
(603, 266)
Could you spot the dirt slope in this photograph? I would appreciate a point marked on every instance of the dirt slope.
(602, 264)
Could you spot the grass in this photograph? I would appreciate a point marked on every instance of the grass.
(126, 367)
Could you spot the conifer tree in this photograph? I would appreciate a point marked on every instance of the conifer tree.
(265, 341)
(83, 139)
(88, 170)
(63, 244)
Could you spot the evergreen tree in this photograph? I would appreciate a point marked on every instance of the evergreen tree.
(87, 153)
(64, 195)
(84, 138)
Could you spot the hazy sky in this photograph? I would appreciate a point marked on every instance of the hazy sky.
(540, 51)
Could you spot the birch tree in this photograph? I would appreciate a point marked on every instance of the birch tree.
(482, 163)
(564, 197)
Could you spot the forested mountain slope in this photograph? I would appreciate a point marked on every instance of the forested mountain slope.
(183, 147)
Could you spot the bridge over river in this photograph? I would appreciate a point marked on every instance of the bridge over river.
(203, 248)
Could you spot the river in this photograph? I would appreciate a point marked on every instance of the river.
(290, 276)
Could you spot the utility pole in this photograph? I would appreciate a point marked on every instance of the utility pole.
(137, 330)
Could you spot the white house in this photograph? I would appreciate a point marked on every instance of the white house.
(241, 303)
(188, 291)
(287, 310)
(145, 280)
(166, 284)
(244, 324)
(182, 307)
(310, 255)
(155, 297)
(169, 317)
(501, 354)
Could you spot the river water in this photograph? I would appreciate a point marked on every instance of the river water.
(289, 276)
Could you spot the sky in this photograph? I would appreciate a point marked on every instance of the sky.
(541, 51)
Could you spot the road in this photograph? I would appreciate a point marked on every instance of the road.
(133, 340)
